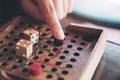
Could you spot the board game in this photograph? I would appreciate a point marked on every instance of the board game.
(28, 51)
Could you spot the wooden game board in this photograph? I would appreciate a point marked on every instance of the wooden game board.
(76, 59)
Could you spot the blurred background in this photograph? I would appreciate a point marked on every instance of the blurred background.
(101, 10)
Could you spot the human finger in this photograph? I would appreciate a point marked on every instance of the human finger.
(59, 8)
(65, 6)
(48, 11)
(70, 6)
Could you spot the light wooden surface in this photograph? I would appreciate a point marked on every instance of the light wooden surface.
(113, 34)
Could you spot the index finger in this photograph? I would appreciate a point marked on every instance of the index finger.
(48, 11)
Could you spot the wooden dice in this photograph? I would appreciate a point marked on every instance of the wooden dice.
(24, 48)
(31, 35)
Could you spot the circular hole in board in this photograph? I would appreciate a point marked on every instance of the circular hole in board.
(49, 76)
(43, 34)
(50, 54)
(54, 69)
(11, 32)
(73, 41)
(55, 49)
(5, 49)
(24, 70)
(46, 60)
(49, 42)
(73, 60)
(6, 37)
(1, 41)
(76, 54)
(47, 29)
(69, 46)
(79, 48)
(4, 64)
(65, 72)
(66, 51)
(14, 67)
(35, 57)
(20, 60)
(30, 63)
(42, 66)
(10, 44)
(62, 57)
(16, 39)
(58, 63)
(69, 66)
(82, 43)
(40, 52)
(44, 46)
(76, 36)
(60, 78)
(66, 34)
(9, 58)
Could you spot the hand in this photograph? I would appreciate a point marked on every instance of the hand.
(50, 11)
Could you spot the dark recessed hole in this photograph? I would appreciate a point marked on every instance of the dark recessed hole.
(82, 43)
(6, 37)
(69, 46)
(10, 58)
(65, 72)
(20, 35)
(14, 67)
(88, 38)
(50, 54)
(76, 36)
(1, 41)
(10, 44)
(47, 29)
(20, 60)
(25, 70)
(45, 46)
(52, 36)
(54, 69)
(4, 64)
(43, 34)
(5, 49)
(60, 78)
(66, 34)
(30, 63)
(79, 48)
(49, 76)
(49, 41)
(1, 55)
(46, 60)
(73, 41)
(11, 32)
(16, 27)
(73, 60)
(30, 33)
(40, 52)
(65, 51)
(16, 39)
(69, 65)
(58, 63)
(35, 57)
(76, 54)
(13, 52)
(55, 49)
(62, 57)
(43, 66)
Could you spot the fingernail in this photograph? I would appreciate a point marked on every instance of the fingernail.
(59, 35)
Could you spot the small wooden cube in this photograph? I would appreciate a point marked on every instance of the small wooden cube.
(31, 35)
(24, 48)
